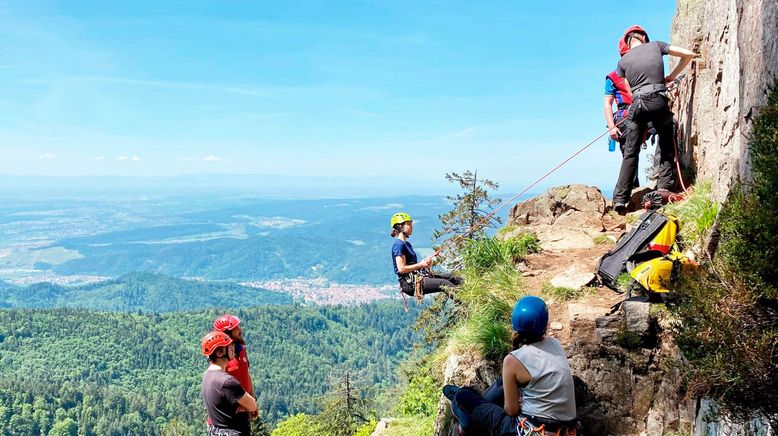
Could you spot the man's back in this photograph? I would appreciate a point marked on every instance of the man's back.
(221, 393)
(644, 65)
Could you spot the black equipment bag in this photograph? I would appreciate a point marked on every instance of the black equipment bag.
(614, 262)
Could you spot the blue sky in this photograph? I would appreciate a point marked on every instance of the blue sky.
(373, 88)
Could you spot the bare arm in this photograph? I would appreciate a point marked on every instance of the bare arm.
(686, 57)
(514, 374)
(248, 403)
(608, 110)
(403, 268)
(613, 131)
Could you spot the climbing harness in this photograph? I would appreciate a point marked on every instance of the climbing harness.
(217, 431)
(525, 427)
(412, 283)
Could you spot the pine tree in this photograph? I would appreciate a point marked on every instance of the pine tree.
(259, 427)
(467, 220)
(346, 408)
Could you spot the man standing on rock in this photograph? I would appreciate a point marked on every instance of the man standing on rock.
(643, 70)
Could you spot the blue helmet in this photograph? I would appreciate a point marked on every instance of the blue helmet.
(530, 316)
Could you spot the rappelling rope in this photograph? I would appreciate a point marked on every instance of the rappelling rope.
(675, 138)
(485, 219)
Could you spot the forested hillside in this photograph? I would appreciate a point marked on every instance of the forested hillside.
(102, 373)
(142, 292)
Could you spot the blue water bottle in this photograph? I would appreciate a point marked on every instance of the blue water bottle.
(611, 144)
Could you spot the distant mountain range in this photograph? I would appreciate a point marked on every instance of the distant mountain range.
(211, 237)
(143, 292)
(269, 185)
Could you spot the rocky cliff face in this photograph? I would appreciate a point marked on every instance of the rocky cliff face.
(738, 41)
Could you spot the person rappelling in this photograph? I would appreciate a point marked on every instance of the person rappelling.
(416, 277)
(642, 67)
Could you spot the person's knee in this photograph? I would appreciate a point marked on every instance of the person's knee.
(467, 399)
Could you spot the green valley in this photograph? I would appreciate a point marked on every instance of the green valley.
(110, 373)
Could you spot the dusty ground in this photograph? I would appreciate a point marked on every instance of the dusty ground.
(542, 267)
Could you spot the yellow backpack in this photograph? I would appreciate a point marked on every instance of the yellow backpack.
(665, 239)
(658, 274)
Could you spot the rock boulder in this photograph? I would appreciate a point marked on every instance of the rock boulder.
(565, 217)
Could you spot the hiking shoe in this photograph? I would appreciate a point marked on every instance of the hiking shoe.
(620, 208)
(449, 391)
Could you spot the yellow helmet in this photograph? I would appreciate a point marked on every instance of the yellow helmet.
(400, 217)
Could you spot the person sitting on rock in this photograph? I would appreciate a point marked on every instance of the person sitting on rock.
(412, 273)
(537, 384)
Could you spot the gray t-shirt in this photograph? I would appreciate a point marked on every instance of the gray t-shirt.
(550, 393)
(643, 65)
(221, 393)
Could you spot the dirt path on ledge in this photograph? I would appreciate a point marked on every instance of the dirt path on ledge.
(542, 267)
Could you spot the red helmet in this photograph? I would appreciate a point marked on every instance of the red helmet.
(212, 341)
(623, 46)
(226, 322)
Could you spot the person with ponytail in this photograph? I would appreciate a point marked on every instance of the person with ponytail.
(535, 395)
(411, 272)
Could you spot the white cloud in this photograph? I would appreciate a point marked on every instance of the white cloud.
(47, 156)
(226, 88)
(384, 207)
(100, 158)
(212, 158)
(132, 158)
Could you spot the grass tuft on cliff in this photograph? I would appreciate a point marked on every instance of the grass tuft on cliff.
(728, 312)
(696, 215)
(492, 286)
(476, 322)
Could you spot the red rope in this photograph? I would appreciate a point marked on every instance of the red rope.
(675, 140)
(510, 200)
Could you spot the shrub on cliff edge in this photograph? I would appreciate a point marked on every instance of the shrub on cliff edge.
(728, 312)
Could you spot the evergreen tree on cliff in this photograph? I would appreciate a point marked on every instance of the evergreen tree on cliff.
(467, 219)
(346, 408)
